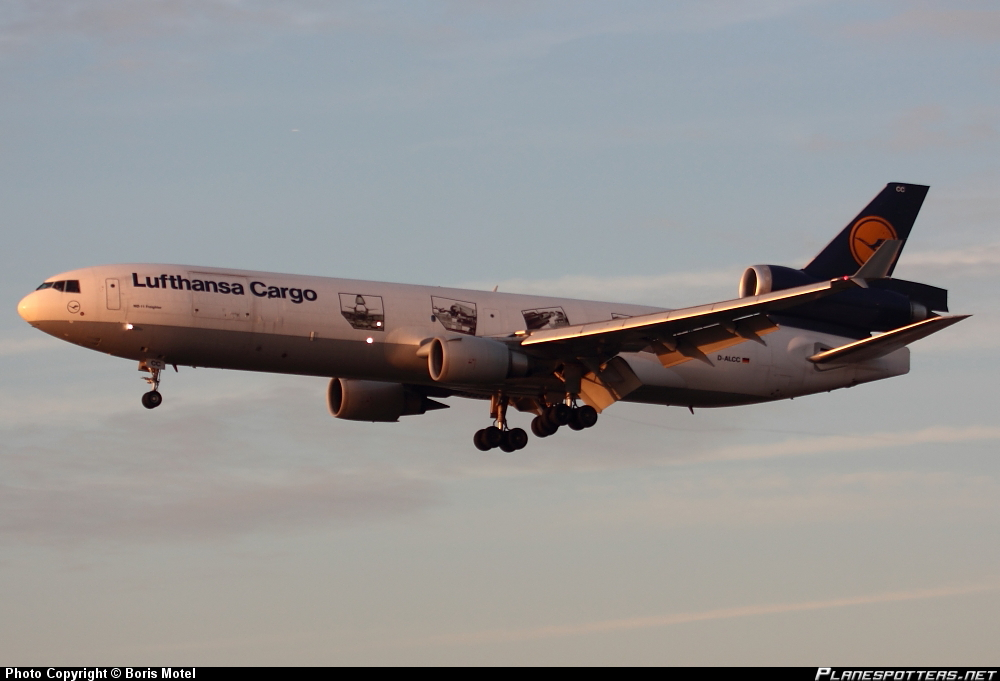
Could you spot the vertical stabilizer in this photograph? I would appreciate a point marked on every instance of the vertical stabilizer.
(889, 216)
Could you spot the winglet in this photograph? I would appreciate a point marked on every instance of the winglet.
(880, 263)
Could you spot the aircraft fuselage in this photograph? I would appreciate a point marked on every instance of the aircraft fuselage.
(366, 330)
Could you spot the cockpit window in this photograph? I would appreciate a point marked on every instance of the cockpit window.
(68, 286)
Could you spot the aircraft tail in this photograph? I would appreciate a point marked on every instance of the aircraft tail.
(889, 216)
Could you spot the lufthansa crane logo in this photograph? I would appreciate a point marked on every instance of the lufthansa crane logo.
(867, 235)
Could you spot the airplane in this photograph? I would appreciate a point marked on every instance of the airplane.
(393, 350)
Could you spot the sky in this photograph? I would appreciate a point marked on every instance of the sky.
(640, 152)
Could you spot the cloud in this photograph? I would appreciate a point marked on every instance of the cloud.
(209, 470)
(916, 129)
(28, 23)
(982, 25)
(11, 346)
(682, 288)
(692, 288)
(929, 127)
(138, 507)
(634, 623)
(496, 31)
(975, 260)
(854, 443)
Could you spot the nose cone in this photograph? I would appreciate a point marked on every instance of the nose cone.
(28, 308)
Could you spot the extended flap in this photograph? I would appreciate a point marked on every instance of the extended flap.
(604, 385)
(698, 344)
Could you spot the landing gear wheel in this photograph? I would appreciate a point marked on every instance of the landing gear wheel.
(492, 436)
(480, 442)
(152, 399)
(560, 414)
(574, 423)
(542, 427)
(586, 416)
(505, 443)
(517, 438)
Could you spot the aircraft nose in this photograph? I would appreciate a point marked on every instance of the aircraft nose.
(28, 307)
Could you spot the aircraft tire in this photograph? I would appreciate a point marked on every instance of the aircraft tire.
(560, 414)
(517, 438)
(477, 439)
(587, 416)
(152, 399)
(574, 422)
(541, 427)
(505, 443)
(492, 436)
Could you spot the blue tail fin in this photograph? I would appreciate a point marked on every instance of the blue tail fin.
(890, 215)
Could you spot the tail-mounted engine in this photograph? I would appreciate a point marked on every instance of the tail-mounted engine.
(761, 279)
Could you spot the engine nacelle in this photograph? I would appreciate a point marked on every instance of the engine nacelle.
(472, 360)
(374, 400)
(761, 279)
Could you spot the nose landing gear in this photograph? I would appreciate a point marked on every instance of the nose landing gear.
(153, 398)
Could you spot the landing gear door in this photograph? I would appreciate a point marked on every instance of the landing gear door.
(114, 294)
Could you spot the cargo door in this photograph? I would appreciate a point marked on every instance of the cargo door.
(113, 291)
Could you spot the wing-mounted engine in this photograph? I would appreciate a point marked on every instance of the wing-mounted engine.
(471, 360)
(356, 400)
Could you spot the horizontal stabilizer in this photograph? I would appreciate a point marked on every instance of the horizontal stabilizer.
(931, 297)
(883, 344)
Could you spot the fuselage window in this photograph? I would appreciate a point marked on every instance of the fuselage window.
(73, 286)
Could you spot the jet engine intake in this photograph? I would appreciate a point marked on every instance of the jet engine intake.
(761, 279)
(356, 400)
(471, 360)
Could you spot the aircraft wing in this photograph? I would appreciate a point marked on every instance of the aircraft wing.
(680, 335)
(883, 344)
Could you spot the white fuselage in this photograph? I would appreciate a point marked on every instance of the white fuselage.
(319, 326)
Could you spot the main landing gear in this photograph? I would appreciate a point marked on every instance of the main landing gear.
(498, 435)
(551, 419)
(153, 398)
(558, 415)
